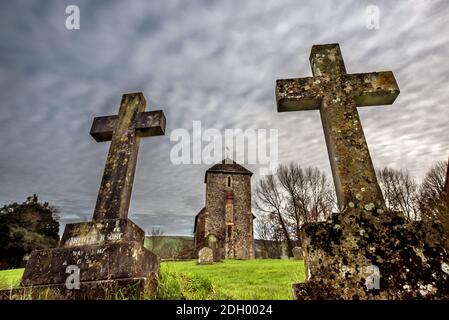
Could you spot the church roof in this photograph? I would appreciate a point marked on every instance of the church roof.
(227, 166)
(196, 218)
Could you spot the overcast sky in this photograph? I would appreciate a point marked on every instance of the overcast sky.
(211, 61)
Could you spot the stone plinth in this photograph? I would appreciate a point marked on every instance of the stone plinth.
(96, 262)
(111, 259)
(343, 258)
(130, 288)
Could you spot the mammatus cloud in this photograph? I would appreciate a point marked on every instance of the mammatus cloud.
(211, 61)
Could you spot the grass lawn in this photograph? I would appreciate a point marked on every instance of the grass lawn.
(10, 278)
(229, 279)
(244, 279)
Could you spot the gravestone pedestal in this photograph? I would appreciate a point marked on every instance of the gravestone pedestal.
(364, 254)
(111, 259)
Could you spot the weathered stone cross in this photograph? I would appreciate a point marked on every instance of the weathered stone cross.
(337, 94)
(124, 131)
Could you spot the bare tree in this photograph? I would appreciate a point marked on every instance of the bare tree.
(433, 184)
(434, 201)
(271, 201)
(271, 235)
(292, 197)
(400, 191)
(309, 193)
(156, 237)
(317, 203)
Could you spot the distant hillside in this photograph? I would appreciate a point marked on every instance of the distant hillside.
(182, 247)
(171, 247)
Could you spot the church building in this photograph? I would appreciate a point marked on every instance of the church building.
(225, 224)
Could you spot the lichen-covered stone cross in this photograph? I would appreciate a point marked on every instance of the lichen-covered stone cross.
(337, 94)
(124, 131)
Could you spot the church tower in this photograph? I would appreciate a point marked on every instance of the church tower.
(225, 224)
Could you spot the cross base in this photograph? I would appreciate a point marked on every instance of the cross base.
(109, 255)
(341, 257)
(130, 288)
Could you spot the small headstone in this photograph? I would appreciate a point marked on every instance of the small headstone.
(297, 253)
(205, 256)
(284, 255)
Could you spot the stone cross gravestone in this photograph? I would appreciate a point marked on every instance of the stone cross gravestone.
(108, 252)
(205, 256)
(340, 255)
(337, 94)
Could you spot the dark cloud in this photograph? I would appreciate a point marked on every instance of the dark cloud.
(201, 60)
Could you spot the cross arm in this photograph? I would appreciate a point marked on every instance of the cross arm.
(103, 128)
(151, 123)
(298, 94)
(374, 88)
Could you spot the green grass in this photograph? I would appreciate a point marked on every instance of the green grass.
(10, 278)
(229, 279)
(243, 279)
